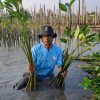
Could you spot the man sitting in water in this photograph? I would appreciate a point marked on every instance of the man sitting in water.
(46, 56)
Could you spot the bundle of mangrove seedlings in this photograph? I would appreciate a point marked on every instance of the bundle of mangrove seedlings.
(26, 46)
(58, 80)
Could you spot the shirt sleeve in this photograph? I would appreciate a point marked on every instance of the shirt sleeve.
(34, 54)
(59, 59)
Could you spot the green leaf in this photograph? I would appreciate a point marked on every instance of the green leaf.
(13, 2)
(9, 1)
(8, 4)
(13, 14)
(24, 15)
(91, 35)
(98, 74)
(8, 8)
(86, 83)
(62, 7)
(97, 68)
(72, 34)
(91, 38)
(71, 2)
(81, 36)
(77, 32)
(85, 29)
(1, 5)
(67, 31)
(64, 40)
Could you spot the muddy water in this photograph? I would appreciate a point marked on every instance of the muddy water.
(13, 65)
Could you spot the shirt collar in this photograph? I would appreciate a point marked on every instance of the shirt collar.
(46, 48)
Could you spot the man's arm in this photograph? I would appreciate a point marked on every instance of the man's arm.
(30, 66)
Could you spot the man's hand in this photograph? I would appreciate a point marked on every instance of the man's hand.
(30, 67)
(64, 73)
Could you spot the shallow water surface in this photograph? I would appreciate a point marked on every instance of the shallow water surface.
(13, 64)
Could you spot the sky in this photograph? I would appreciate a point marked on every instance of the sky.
(29, 4)
(90, 4)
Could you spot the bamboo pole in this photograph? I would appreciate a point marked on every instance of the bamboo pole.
(79, 14)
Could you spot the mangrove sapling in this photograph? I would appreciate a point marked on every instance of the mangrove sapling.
(93, 84)
(58, 81)
(23, 16)
(92, 59)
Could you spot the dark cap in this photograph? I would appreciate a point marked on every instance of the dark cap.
(47, 30)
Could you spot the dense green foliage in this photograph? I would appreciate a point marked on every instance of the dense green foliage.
(93, 84)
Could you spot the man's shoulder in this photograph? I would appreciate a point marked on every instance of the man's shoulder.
(57, 47)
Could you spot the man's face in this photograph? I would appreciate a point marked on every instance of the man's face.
(47, 40)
